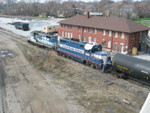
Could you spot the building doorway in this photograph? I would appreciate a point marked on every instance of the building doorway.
(121, 48)
(115, 46)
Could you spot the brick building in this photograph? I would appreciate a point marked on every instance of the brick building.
(116, 34)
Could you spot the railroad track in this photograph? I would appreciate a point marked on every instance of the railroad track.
(24, 40)
(14, 36)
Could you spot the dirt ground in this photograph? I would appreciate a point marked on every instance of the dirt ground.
(26, 89)
(39, 81)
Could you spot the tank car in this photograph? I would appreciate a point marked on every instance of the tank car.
(87, 53)
(43, 39)
(131, 66)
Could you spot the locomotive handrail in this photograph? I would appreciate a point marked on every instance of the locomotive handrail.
(147, 40)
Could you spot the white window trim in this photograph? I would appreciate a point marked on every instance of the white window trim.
(79, 37)
(109, 46)
(79, 28)
(95, 31)
(104, 32)
(110, 33)
(62, 34)
(71, 35)
(84, 38)
(95, 40)
(121, 44)
(66, 34)
(90, 39)
(116, 34)
(89, 30)
(85, 29)
(122, 35)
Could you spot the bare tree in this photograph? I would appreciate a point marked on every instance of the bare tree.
(143, 9)
(126, 8)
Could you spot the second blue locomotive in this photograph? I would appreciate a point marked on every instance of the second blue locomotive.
(43, 39)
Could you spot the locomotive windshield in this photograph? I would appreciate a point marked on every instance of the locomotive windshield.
(48, 37)
(97, 48)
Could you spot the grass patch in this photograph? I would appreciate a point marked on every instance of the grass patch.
(27, 51)
(145, 21)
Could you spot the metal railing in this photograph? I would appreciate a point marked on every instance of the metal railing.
(147, 40)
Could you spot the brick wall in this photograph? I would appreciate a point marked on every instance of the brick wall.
(83, 33)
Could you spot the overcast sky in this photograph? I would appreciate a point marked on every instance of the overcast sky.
(80, 0)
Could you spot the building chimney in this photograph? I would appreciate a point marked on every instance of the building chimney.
(88, 14)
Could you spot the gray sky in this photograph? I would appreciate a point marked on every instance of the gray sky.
(80, 0)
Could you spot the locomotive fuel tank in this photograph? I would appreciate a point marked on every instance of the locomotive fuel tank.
(132, 66)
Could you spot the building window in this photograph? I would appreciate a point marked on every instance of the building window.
(79, 37)
(79, 28)
(84, 38)
(104, 32)
(122, 35)
(71, 35)
(141, 36)
(62, 34)
(116, 34)
(103, 42)
(89, 39)
(110, 33)
(66, 34)
(133, 36)
(109, 44)
(66, 26)
(115, 46)
(95, 31)
(95, 40)
(121, 47)
(90, 30)
(70, 27)
(84, 29)
(131, 45)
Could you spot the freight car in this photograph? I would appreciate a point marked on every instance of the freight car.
(42, 39)
(21, 25)
(128, 66)
(89, 54)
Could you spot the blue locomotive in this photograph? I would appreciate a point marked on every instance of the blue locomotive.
(43, 39)
(86, 53)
